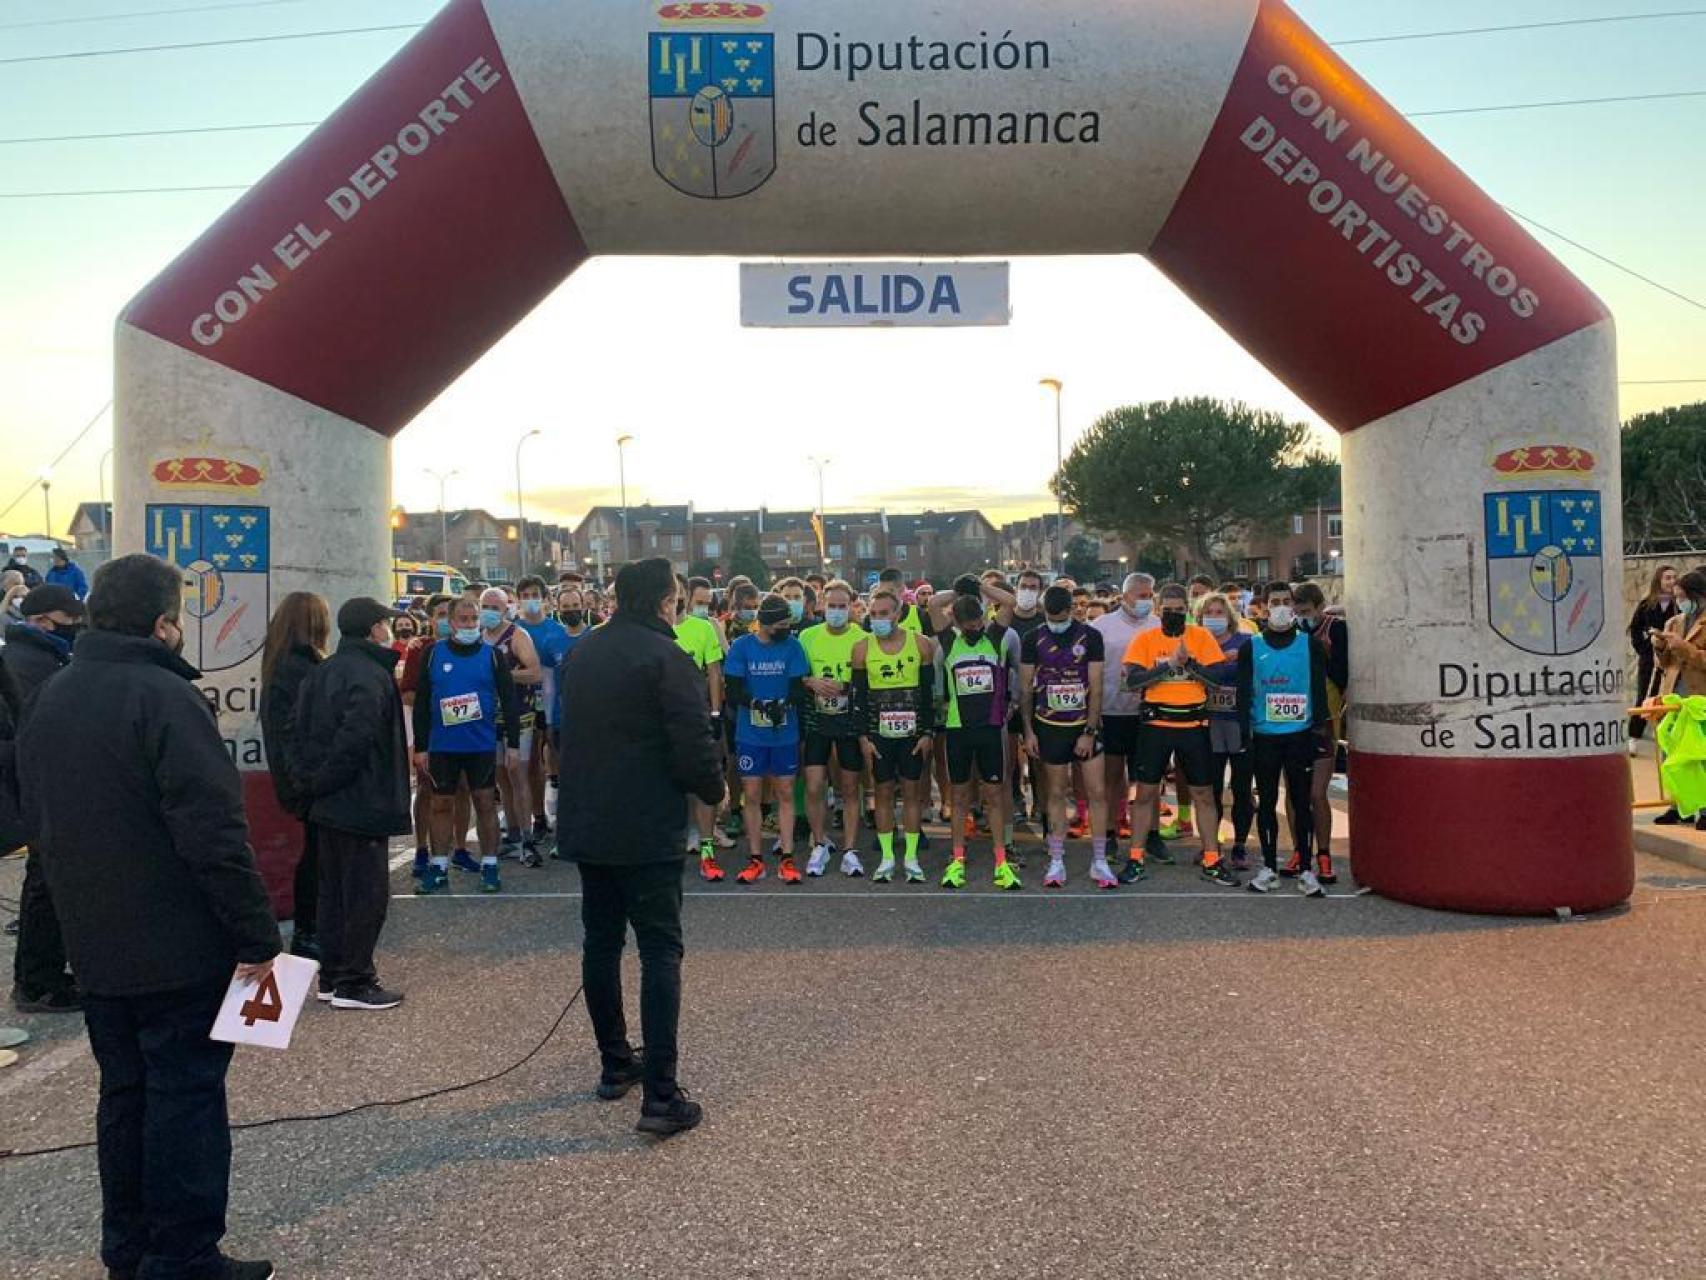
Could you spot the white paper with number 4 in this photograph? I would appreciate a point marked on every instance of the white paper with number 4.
(264, 1013)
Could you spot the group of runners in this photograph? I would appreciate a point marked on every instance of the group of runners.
(991, 705)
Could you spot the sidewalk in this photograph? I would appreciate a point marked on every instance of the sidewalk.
(1680, 843)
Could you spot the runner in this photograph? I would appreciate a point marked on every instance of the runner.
(1282, 695)
(764, 679)
(1121, 709)
(465, 691)
(550, 643)
(894, 684)
(1060, 703)
(832, 730)
(979, 662)
(1226, 730)
(1201, 587)
(436, 629)
(515, 648)
(700, 640)
(1025, 616)
(1169, 664)
(1310, 604)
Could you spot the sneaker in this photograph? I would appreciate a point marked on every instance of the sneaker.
(509, 846)
(1293, 865)
(489, 882)
(1240, 858)
(1324, 869)
(1055, 876)
(369, 995)
(235, 1270)
(734, 826)
(1669, 818)
(955, 876)
(616, 1084)
(436, 880)
(1133, 871)
(788, 871)
(1006, 877)
(1221, 874)
(1309, 886)
(818, 863)
(541, 828)
(1078, 828)
(323, 990)
(673, 1115)
(1156, 848)
(53, 1000)
(884, 872)
(708, 868)
(752, 872)
(1170, 829)
(851, 864)
(423, 860)
(462, 860)
(1266, 881)
(530, 856)
(1124, 832)
(721, 838)
(914, 872)
(1102, 875)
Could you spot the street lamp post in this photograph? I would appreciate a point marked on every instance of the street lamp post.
(622, 442)
(47, 502)
(101, 507)
(823, 553)
(520, 512)
(443, 520)
(1057, 386)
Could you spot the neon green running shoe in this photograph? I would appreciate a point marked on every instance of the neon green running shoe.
(914, 872)
(884, 872)
(1006, 877)
(955, 876)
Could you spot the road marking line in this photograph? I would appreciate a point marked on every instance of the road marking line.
(899, 897)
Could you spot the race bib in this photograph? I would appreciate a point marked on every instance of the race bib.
(1067, 698)
(834, 704)
(971, 681)
(1223, 698)
(1287, 708)
(464, 708)
(897, 724)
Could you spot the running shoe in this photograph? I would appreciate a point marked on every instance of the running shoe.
(971, 827)
(1292, 866)
(530, 855)
(721, 838)
(1309, 886)
(489, 882)
(851, 865)
(914, 872)
(733, 825)
(1103, 875)
(1324, 869)
(788, 871)
(510, 845)
(708, 868)
(541, 827)
(1266, 881)
(462, 860)
(1170, 828)
(752, 872)
(1055, 876)
(1133, 871)
(1125, 829)
(422, 862)
(1240, 858)
(955, 876)
(1155, 847)
(1078, 828)
(1221, 874)
(818, 863)
(1006, 877)
(884, 872)
(435, 880)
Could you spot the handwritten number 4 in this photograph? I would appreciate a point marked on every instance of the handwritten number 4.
(267, 1005)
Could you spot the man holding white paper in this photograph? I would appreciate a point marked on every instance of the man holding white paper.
(127, 782)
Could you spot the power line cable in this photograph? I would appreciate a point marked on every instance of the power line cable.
(209, 44)
(75, 441)
(1610, 262)
(162, 133)
(1523, 26)
(143, 13)
(1558, 102)
(115, 191)
(1663, 382)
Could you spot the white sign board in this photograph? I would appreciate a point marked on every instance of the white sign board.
(264, 1013)
(860, 295)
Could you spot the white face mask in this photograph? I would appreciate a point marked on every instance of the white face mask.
(1141, 609)
(1027, 598)
(1280, 618)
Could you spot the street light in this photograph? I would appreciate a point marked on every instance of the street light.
(622, 442)
(443, 520)
(101, 509)
(1057, 386)
(46, 501)
(520, 514)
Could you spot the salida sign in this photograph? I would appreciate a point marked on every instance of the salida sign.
(873, 294)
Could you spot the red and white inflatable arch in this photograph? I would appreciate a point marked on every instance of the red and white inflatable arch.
(262, 375)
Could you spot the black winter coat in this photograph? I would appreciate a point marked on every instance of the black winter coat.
(31, 658)
(138, 810)
(278, 724)
(625, 780)
(349, 754)
(11, 807)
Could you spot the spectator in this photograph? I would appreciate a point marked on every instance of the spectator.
(1680, 651)
(11, 811)
(161, 904)
(12, 593)
(21, 564)
(1656, 609)
(66, 572)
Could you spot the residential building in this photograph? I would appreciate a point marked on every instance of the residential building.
(92, 526)
(1311, 544)
(482, 546)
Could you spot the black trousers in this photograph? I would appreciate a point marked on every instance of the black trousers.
(648, 897)
(163, 1140)
(1243, 768)
(355, 894)
(306, 887)
(39, 966)
(1643, 686)
(1293, 755)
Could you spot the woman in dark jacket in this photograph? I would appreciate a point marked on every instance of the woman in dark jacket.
(297, 639)
(1657, 607)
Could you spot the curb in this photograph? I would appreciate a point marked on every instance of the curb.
(1650, 839)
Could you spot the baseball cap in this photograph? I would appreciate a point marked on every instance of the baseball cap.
(51, 597)
(357, 616)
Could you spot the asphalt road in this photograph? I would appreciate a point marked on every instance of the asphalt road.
(1180, 1081)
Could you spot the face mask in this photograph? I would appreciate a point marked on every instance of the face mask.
(836, 616)
(882, 627)
(1280, 618)
(466, 635)
(573, 617)
(68, 634)
(442, 627)
(1141, 610)
(972, 634)
(1216, 625)
(747, 615)
(1307, 624)
(1172, 622)
(1027, 598)
(701, 611)
(533, 608)
(404, 637)
(796, 609)
(1687, 607)
(491, 619)
(1060, 628)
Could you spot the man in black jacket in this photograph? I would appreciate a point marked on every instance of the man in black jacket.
(625, 804)
(350, 757)
(160, 902)
(37, 649)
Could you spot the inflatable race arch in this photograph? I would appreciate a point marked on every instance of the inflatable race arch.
(261, 377)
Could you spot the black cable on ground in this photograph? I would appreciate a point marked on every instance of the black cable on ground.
(11, 1154)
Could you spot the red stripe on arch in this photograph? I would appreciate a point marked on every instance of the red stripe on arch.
(470, 234)
(1320, 310)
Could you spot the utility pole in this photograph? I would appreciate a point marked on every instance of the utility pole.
(1057, 386)
(622, 443)
(520, 513)
(443, 520)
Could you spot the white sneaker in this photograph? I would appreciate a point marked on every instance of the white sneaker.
(722, 839)
(1055, 876)
(1309, 885)
(884, 872)
(850, 864)
(818, 863)
(1103, 875)
(1267, 880)
(1634, 747)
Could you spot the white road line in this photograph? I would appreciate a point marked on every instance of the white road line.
(35, 1070)
(898, 897)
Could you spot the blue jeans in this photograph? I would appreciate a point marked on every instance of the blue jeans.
(162, 1134)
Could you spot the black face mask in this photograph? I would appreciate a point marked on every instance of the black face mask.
(1173, 622)
(573, 617)
(972, 634)
(68, 634)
